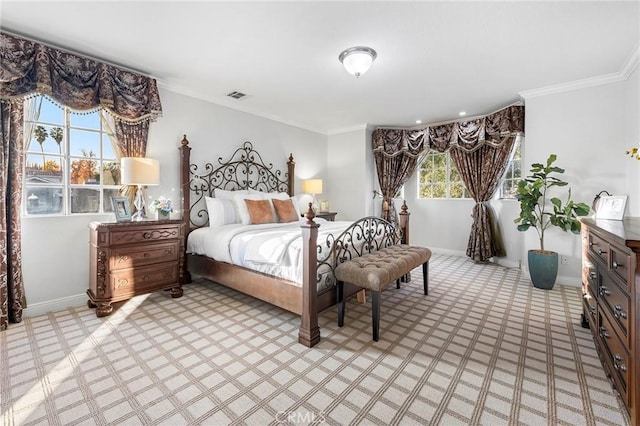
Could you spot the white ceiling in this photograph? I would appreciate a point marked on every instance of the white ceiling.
(434, 58)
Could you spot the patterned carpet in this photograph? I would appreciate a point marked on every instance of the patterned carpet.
(484, 347)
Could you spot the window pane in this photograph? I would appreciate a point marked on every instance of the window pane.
(45, 139)
(84, 143)
(49, 111)
(107, 148)
(440, 190)
(107, 206)
(111, 173)
(43, 169)
(85, 121)
(85, 200)
(84, 171)
(43, 200)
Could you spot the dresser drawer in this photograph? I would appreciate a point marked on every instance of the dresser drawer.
(599, 248)
(617, 358)
(620, 262)
(591, 307)
(130, 256)
(589, 276)
(145, 234)
(126, 282)
(616, 302)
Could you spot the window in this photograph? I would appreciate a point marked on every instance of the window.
(439, 178)
(70, 164)
(513, 173)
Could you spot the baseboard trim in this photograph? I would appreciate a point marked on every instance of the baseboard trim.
(55, 305)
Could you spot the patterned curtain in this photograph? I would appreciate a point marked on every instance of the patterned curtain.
(480, 149)
(397, 154)
(27, 69)
(131, 141)
(12, 298)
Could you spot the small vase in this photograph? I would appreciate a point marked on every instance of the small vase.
(161, 215)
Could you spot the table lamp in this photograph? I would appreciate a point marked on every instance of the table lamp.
(313, 187)
(141, 172)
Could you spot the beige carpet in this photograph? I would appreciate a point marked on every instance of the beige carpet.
(483, 348)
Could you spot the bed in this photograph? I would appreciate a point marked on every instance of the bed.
(307, 287)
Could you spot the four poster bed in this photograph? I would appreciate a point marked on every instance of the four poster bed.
(246, 253)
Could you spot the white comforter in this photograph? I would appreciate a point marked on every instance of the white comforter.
(273, 248)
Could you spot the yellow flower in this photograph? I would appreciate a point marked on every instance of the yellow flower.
(634, 153)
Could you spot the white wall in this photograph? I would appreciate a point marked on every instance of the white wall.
(349, 173)
(55, 249)
(631, 139)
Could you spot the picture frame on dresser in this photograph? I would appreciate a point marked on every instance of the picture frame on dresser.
(611, 207)
(121, 208)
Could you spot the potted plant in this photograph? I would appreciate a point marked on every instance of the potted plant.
(541, 213)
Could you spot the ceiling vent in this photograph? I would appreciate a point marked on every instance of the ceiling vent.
(236, 95)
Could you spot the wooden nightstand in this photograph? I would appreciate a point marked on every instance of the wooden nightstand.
(132, 258)
(327, 215)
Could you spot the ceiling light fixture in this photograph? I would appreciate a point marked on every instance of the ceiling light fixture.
(357, 60)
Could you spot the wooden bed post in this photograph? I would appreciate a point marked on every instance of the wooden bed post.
(404, 222)
(290, 175)
(309, 333)
(185, 159)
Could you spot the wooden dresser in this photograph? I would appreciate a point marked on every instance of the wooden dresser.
(611, 290)
(132, 258)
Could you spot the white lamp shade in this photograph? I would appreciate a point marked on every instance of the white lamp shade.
(139, 171)
(312, 186)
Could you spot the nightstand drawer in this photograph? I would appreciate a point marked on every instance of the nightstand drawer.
(130, 256)
(130, 281)
(145, 234)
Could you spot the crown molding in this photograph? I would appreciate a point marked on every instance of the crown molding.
(627, 69)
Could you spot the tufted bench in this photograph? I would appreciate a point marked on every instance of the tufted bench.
(375, 271)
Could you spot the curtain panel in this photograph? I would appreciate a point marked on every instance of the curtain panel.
(28, 69)
(480, 149)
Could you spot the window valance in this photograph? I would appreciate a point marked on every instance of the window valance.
(493, 129)
(28, 67)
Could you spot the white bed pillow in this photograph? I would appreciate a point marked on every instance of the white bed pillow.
(241, 206)
(221, 211)
(228, 195)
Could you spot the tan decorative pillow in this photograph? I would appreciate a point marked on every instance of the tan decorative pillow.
(259, 211)
(285, 210)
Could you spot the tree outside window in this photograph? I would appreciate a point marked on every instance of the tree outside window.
(439, 178)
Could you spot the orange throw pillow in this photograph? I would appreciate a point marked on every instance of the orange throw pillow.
(259, 211)
(285, 210)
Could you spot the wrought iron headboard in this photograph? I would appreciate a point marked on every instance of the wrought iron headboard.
(244, 169)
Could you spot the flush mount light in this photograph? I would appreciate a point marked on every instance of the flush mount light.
(357, 60)
(462, 113)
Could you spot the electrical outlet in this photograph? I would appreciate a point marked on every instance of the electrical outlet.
(564, 260)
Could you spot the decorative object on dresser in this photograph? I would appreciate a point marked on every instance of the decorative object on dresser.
(139, 171)
(611, 301)
(129, 259)
(611, 207)
(324, 206)
(161, 208)
(535, 212)
(121, 209)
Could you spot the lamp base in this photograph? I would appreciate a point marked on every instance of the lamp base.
(140, 206)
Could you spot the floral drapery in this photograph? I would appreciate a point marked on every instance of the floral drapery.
(397, 154)
(12, 299)
(480, 148)
(81, 83)
(28, 68)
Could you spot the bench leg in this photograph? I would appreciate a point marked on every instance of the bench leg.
(375, 314)
(398, 283)
(425, 277)
(340, 297)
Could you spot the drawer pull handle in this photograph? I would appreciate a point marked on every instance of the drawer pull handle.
(603, 333)
(591, 244)
(604, 291)
(615, 265)
(147, 254)
(619, 313)
(618, 365)
(592, 309)
(592, 275)
(600, 251)
(146, 235)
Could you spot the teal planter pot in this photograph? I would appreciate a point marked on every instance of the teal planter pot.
(543, 268)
